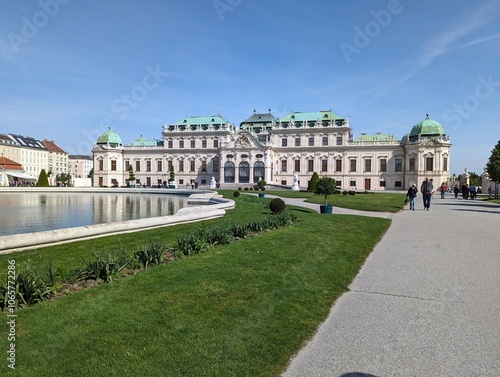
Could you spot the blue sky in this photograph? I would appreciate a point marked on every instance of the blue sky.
(70, 68)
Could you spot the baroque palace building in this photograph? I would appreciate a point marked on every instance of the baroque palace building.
(265, 147)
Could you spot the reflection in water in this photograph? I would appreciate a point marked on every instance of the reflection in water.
(36, 212)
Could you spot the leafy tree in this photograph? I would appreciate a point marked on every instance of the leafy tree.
(493, 166)
(63, 178)
(313, 182)
(326, 186)
(91, 173)
(474, 179)
(43, 181)
(262, 184)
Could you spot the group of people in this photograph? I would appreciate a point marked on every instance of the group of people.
(466, 190)
(427, 190)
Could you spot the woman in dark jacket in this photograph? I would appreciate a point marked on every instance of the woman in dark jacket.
(412, 194)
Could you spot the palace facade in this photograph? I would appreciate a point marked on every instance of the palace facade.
(275, 149)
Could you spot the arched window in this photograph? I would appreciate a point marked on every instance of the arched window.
(244, 172)
(229, 172)
(258, 171)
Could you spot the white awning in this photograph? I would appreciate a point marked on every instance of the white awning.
(21, 175)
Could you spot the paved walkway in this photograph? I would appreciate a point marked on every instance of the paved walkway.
(426, 302)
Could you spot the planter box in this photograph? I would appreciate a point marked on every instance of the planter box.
(325, 209)
(262, 195)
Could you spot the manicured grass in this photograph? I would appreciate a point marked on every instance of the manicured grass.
(379, 201)
(69, 257)
(242, 309)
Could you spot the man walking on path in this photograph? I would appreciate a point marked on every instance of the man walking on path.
(426, 189)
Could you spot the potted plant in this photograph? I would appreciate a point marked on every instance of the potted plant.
(171, 179)
(326, 186)
(131, 177)
(262, 186)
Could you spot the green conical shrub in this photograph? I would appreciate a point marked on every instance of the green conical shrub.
(43, 181)
(313, 182)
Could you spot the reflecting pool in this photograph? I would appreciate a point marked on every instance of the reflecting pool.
(36, 212)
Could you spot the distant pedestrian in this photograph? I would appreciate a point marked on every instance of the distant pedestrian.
(472, 191)
(412, 195)
(465, 191)
(426, 188)
(456, 190)
(443, 190)
(490, 191)
(433, 191)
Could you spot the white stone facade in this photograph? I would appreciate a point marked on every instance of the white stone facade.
(275, 150)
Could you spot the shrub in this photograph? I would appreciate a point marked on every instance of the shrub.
(151, 253)
(261, 185)
(104, 266)
(239, 188)
(43, 181)
(240, 230)
(189, 245)
(311, 186)
(236, 193)
(352, 192)
(216, 236)
(246, 189)
(344, 192)
(32, 285)
(277, 205)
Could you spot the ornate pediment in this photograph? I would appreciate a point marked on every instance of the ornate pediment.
(244, 140)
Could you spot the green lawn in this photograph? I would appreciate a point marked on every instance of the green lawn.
(378, 201)
(242, 309)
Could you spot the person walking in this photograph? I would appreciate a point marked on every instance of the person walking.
(465, 191)
(412, 195)
(443, 190)
(472, 191)
(456, 190)
(490, 191)
(426, 188)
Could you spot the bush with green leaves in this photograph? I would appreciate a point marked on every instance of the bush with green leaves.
(352, 192)
(236, 194)
(277, 205)
(190, 244)
(344, 192)
(326, 186)
(105, 266)
(33, 284)
(151, 253)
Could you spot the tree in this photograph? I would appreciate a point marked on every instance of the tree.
(63, 178)
(131, 176)
(326, 186)
(493, 166)
(313, 182)
(43, 181)
(172, 174)
(262, 184)
(91, 173)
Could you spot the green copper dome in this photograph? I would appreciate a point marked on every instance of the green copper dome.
(427, 127)
(110, 137)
